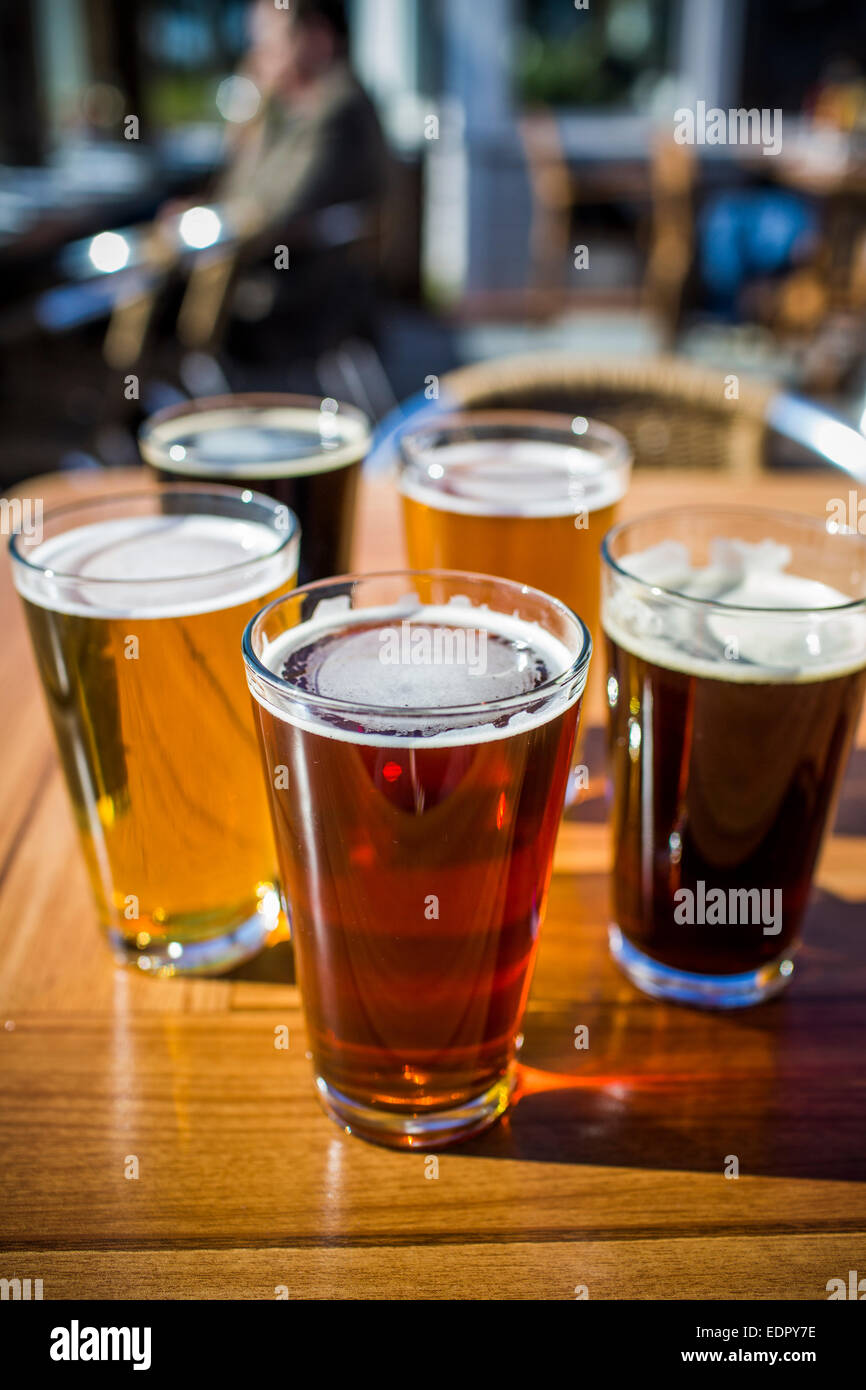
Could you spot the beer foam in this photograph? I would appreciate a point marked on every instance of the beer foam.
(733, 641)
(355, 668)
(514, 477)
(156, 566)
(255, 441)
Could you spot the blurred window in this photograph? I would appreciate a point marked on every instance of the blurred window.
(612, 54)
(189, 47)
(807, 54)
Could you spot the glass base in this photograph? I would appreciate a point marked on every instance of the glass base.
(414, 1129)
(211, 956)
(704, 991)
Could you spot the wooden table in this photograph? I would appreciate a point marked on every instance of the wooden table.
(609, 1173)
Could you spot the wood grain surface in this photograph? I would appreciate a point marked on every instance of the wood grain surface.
(608, 1175)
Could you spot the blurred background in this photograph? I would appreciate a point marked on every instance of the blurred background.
(202, 195)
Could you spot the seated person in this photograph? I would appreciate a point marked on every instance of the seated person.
(315, 141)
(308, 172)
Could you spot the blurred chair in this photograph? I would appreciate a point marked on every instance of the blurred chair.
(673, 413)
(669, 237)
(136, 304)
(554, 193)
(129, 324)
(238, 283)
(201, 316)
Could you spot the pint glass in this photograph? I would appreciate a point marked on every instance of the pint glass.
(136, 605)
(736, 666)
(523, 494)
(302, 451)
(416, 732)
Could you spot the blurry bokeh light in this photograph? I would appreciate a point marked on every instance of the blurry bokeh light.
(200, 227)
(109, 251)
(238, 99)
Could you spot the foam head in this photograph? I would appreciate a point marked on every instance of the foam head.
(417, 664)
(249, 440)
(518, 477)
(755, 621)
(156, 566)
(416, 660)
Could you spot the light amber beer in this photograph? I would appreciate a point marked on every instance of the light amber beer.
(136, 608)
(528, 496)
(417, 734)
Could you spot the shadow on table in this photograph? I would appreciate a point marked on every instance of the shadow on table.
(851, 808)
(779, 1086)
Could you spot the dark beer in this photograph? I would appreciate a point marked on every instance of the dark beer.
(730, 786)
(734, 690)
(303, 452)
(415, 841)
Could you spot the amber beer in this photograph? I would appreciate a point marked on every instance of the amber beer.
(736, 668)
(416, 733)
(526, 495)
(304, 452)
(135, 617)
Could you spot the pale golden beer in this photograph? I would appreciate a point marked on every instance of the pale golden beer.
(136, 606)
(525, 495)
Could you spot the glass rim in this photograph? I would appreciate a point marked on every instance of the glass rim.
(575, 670)
(552, 422)
(434, 437)
(813, 524)
(347, 448)
(247, 496)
